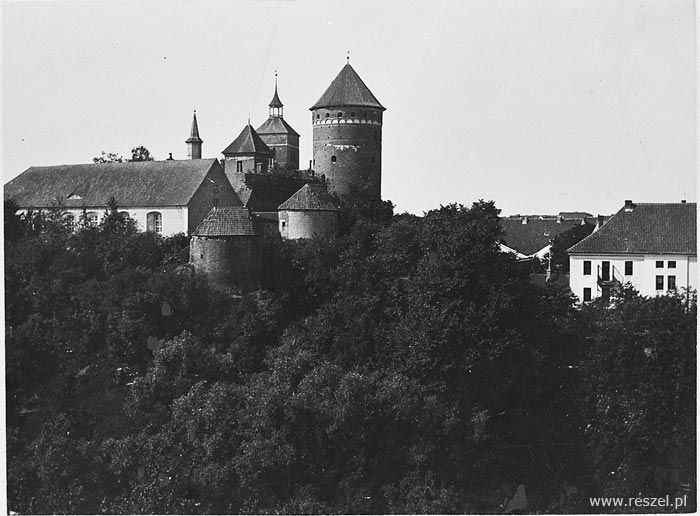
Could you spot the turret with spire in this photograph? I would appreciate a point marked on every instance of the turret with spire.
(194, 142)
(279, 135)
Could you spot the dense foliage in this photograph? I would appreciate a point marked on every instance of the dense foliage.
(406, 367)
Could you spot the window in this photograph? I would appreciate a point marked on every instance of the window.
(659, 283)
(284, 224)
(672, 283)
(659, 264)
(340, 114)
(154, 222)
(372, 159)
(333, 159)
(352, 114)
(239, 166)
(318, 116)
(586, 267)
(327, 115)
(69, 220)
(586, 294)
(629, 268)
(91, 219)
(672, 264)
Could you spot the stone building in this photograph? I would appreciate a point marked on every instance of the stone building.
(226, 249)
(347, 136)
(310, 213)
(248, 153)
(279, 136)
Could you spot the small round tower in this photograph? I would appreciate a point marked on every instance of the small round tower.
(226, 250)
(347, 136)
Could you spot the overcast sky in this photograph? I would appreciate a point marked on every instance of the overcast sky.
(541, 105)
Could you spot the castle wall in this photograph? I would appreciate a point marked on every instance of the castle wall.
(308, 224)
(356, 144)
(235, 261)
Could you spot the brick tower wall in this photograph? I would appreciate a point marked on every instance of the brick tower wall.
(285, 147)
(234, 261)
(354, 137)
(295, 224)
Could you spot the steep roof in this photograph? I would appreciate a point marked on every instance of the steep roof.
(532, 236)
(248, 142)
(309, 197)
(646, 228)
(194, 131)
(142, 183)
(276, 125)
(226, 221)
(276, 102)
(347, 89)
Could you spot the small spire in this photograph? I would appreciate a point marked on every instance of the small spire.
(275, 103)
(194, 131)
(348, 57)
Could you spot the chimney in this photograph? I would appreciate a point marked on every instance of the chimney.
(170, 155)
(629, 205)
(524, 220)
(683, 201)
(599, 223)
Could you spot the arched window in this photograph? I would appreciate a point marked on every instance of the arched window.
(124, 215)
(91, 218)
(352, 114)
(333, 159)
(69, 220)
(327, 115)
(340, 114)
(154, 222)
(318, 116)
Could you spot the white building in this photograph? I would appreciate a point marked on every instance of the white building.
(167, 197)
(652, 246)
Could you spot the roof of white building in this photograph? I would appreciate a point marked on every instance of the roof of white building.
(645, 228)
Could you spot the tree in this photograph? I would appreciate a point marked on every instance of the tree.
(13, 221)
(560, 258)
(140, 153)
(108, 157)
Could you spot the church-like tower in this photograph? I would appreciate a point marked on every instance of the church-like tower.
(279, 136)
(194, 142)
(347, 136)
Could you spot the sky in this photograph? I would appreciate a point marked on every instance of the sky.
(541, 106)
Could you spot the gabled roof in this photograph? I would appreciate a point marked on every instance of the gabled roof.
(194, 131)
(529, 235)
(347, 89)
(309, 197)
(276, 125)
(226, 221)
(248, 142)
(646, 228)
(141, 183)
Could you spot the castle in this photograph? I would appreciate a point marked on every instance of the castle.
(226, 205)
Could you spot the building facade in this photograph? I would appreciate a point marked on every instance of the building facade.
(653, 247)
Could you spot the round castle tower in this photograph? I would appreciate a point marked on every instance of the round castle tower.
(347, 136)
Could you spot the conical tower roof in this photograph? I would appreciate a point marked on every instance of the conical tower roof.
(248, 142)
(194, 132)
(276, 102)
(347, 89)
(309, 197)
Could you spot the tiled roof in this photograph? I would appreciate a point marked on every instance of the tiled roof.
(140, 183)
(309, 197)
(646, 229)
(226, 221)
(194, 132)
(347, 89)
(248, 142)
(535, 235)
(276, 125)
(574, 215)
